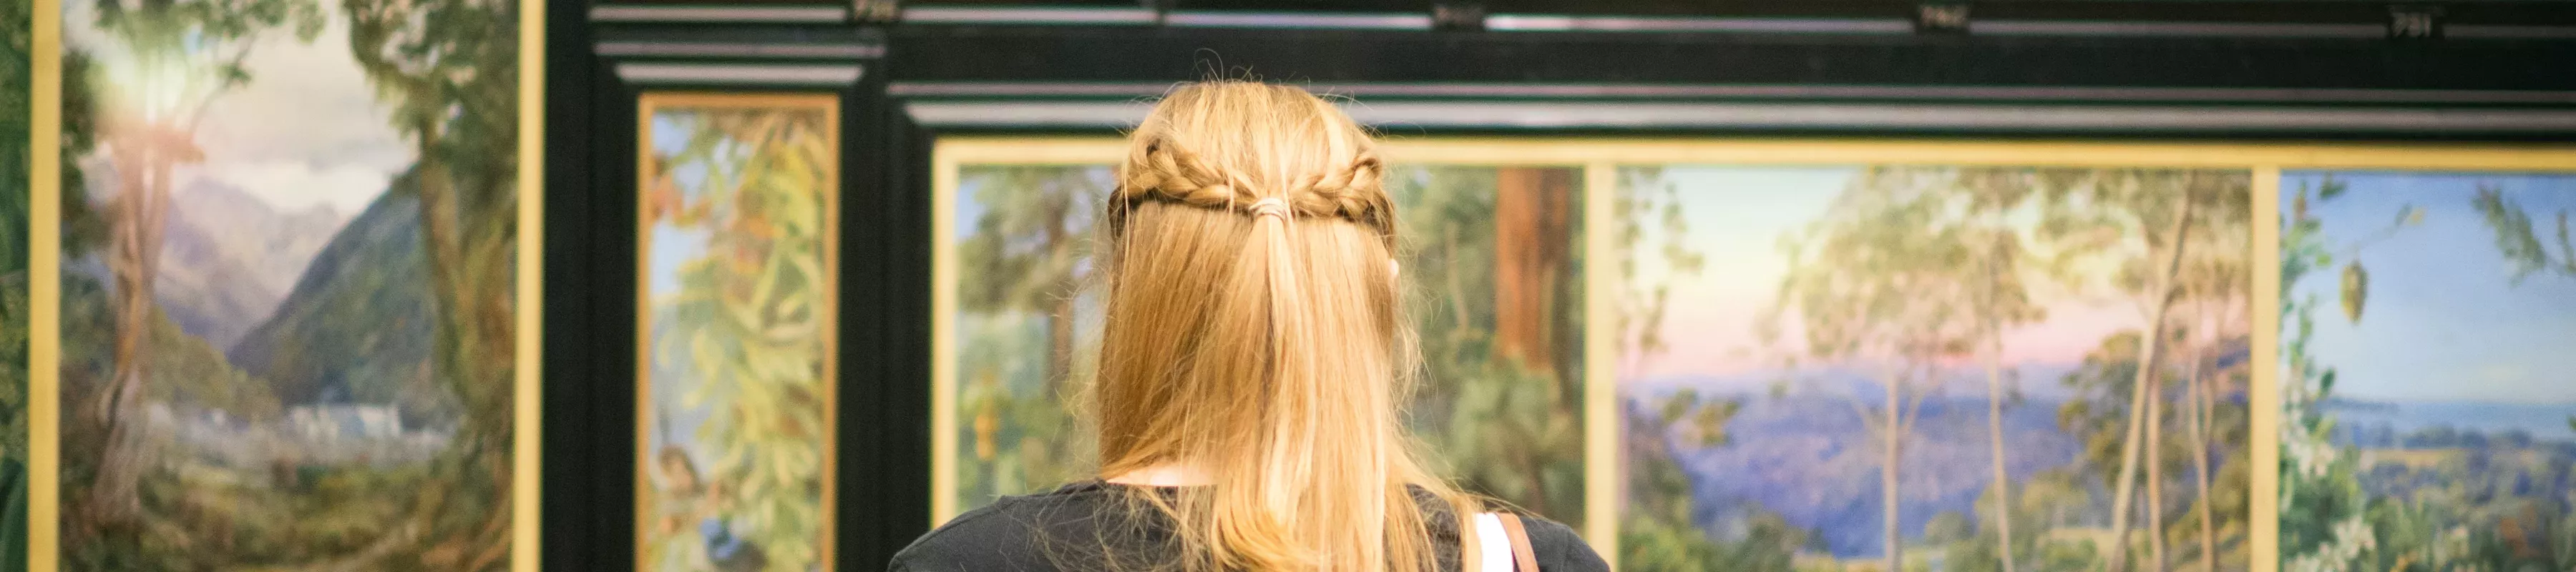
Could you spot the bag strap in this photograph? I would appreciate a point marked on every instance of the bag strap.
(1521, 552)
(1471, 537)
(1515, 542)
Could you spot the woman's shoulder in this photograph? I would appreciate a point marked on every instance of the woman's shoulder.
(1559, 549)
(998, 536)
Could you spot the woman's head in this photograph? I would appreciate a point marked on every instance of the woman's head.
(1253, 332)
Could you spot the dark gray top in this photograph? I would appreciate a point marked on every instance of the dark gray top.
(1086, 527)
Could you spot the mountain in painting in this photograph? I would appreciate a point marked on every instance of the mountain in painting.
(357, 326)
(1808, 458)
(227, 257)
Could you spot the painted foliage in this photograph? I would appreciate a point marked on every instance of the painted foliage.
(1879, 367)
(738, 271)
(17, 82)
(288, 247)
(1492, 267)
(2429, 419)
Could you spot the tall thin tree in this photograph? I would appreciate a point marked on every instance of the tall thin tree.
(448, 71)
(180, 57)
(1874, 285)
(1992, 194)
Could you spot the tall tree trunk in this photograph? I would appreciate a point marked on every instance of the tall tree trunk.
(143, 194)
(1530, 248)
(1059, 357)
(1894, 431)
(2003, 480)
(1995, 413)
(2200, 430)
(2155, 527)
(475, 349)
(1531, 242)
(2162, 292)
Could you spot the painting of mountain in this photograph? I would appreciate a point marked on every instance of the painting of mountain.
(1808, 460)
(1494, 283)
(228, 257)
(1933, 367)
(288, 326)
(356, 326)
(2429, 419)
(740, 200)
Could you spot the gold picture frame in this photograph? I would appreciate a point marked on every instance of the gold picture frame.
(827, 107)
(45, 275)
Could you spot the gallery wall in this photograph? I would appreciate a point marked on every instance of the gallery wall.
(489, 285)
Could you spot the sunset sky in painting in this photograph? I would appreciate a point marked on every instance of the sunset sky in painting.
(1737, 217)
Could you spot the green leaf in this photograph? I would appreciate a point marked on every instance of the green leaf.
(2356, 288)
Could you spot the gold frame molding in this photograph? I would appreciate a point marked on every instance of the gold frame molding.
(648, 104)
(1601, 156)
(45, 291)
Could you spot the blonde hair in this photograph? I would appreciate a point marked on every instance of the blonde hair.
(1254, 330)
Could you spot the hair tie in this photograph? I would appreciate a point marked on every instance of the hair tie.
(1273, 206)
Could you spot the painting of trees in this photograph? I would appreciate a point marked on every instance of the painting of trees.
(2178, 232)
(1871, 334)
(1023, 265)
(183, 55)
(741, 340)
(1874, 285)
(448, 72)
(1495, 282)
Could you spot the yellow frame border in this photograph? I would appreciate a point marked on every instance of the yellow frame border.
(44, 390)
(1601, 156)
(44, 290)
(648, 104)
(526, 550)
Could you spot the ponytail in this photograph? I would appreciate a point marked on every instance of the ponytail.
(1253, 331)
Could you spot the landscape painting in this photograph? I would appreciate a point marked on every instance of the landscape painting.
(1899, 368)
(2429, 419)
(739, 212)
(1492, 268)
(290, 233)
(17, 89)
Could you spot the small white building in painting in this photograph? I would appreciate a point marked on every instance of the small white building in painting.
(344, 422)
(318, 434)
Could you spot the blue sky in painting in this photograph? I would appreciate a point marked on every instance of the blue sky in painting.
(672, 245)
(967, 209)
(1735, 217)
(2442, 320)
